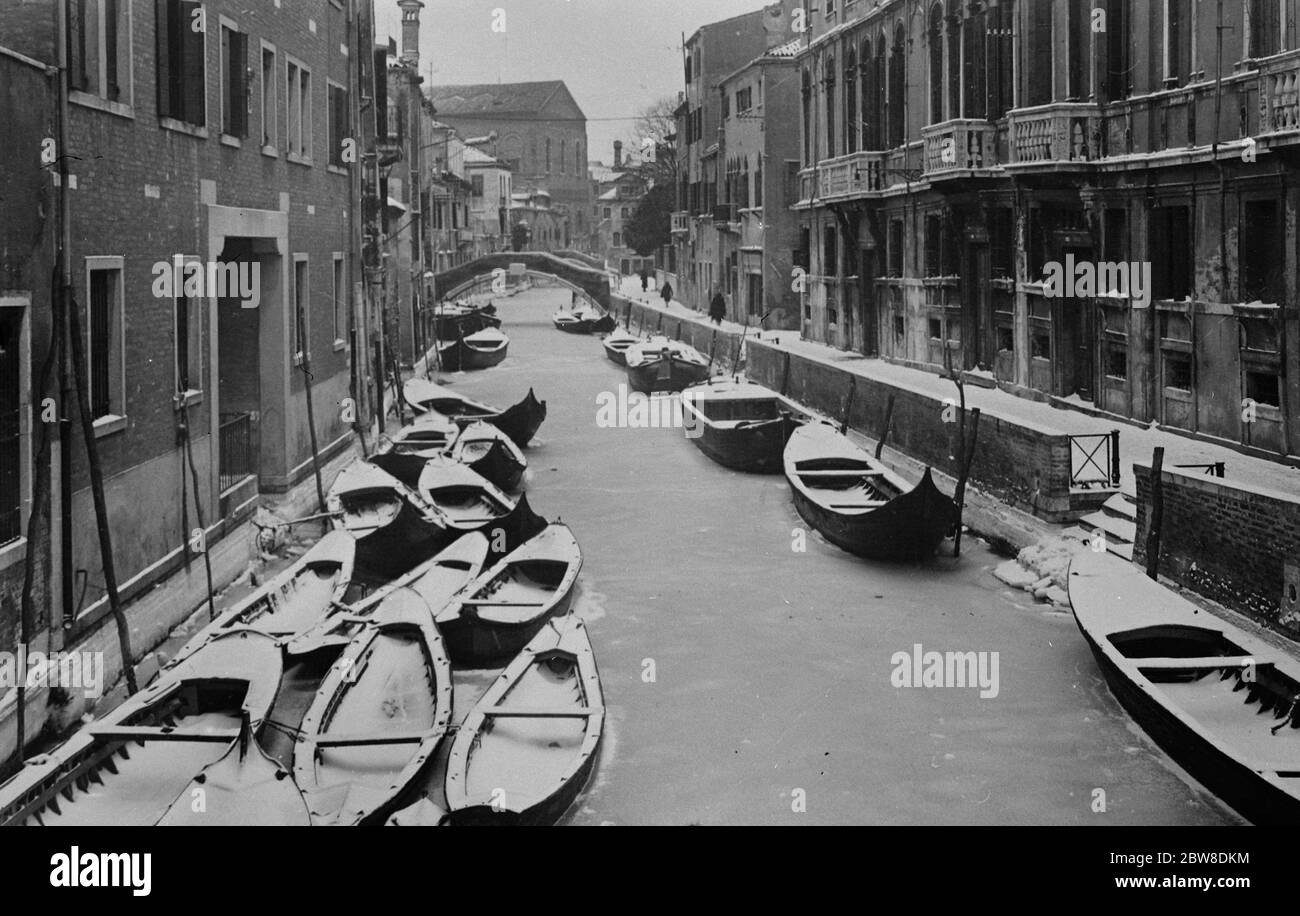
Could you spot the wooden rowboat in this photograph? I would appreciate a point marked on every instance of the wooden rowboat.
(520, 421)
(616, 345)
(436, 581)
(429, 431)
(661, 364)
(860, 505)
(1222, 702)
(394, 527)
(453, 321)
(740, 425)
(583, 320)
(378, 716)
(529, 746)
(480, 350)
(489, 452)
(464, 499)
(129, 767)
(495, 616)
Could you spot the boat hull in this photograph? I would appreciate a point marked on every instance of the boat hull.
(465, 357)
(758, 448)
(499, 467)
(521, 421)
(910, 527)
(616, 355)
(666, 374)
(476, 642)
(396, 548)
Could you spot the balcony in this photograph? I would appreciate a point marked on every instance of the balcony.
(854, 175)
(1279, 94)
(681, 223)
(1060, 135)
(964, 148)
(724, 214)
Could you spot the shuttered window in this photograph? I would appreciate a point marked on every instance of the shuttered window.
(234, 83)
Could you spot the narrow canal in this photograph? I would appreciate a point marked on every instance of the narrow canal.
(749, 683)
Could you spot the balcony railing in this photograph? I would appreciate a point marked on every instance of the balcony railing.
(1059, 133)
(960, 146)
(852, 175)
(1279, 94)
(681, 222)
(238, 456)
(1094, 460)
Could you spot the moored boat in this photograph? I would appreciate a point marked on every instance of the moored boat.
(616, 344)
(740, 424)
(480, 350)
(495, 616)
(860, 505)
(490, 452)
(519, 421)
(662, 364)
(128, 767)
(436, 581)
(1223, 703)
(452, 321)
(528, 748)
(583, 320)
(464, 499)
(378, 716)
(394, 527)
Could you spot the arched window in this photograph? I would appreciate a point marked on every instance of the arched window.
(806, 92)
(882, 60)
(851, 103)
(867, 68)
(953, 51)
(897, 124)
(974, 56)
(934, 38)
(828, 77)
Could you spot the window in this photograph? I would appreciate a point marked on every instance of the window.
(476, 185)
(625, 213)
(104, 332)
(340, 300)
(14, 417)
(186, 325)
(1118, 79)
(828, 80)
(897, 85)
(1265, 27)
(1040, 345)
(1038, 60)
(934, 38)
(297, 103)
(1006, 340)
(182, 89)
(1115, 224)
(895, 247)
(744, 100)
(1116, 360)
(1263, 388)
(933, 246)
(1171, 252)
(618, 240)
(234, 81)
(936, 329)
(1001, 59)
(726, 104)
(579, 164)
(609, 213)
(269, 108)
(1260, 257)
(1178, 41)
(563, 158)
(1002, 243)
(99, 48)
(806, 111)
(898, 328)
(1178, 371)
(1078, 35)
(830, 259)
(548, 155)
(340, 122)
(975, 76)
(299, 325)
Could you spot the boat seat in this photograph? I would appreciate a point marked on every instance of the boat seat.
(363, 740)
(488, 602)
(161, 733)
(839, 473)
(541, 712)
(1208, 661)
(865, 504)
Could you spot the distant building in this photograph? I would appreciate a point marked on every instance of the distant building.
(618, 194)
(534, 224)
(542, 137)
(489, 202)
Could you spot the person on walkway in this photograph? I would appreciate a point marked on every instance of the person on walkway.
(667, 293)
(645, 280)
(718, 307)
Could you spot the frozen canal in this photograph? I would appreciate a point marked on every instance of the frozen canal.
(739, 672)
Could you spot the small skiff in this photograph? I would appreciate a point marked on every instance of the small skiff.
(739, 424)
(129, 767)
(616, 345)
(394, 527)
(480, 350)
(528, 748)
(436, 581)
(860, 505)
(661, 364)
(583, 320)
(520, 421)
(490, 452)
(1223, 703)
(495, 616)
(377, 718)
(463, 498)
(453, 321)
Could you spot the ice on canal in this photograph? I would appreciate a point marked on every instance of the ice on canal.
(749, 683)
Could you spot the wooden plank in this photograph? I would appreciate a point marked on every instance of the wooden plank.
(160, 733)
(870, 504)
(365, 740)
(484, 602)
(840, 473)
(1208, 661)
(541, 712)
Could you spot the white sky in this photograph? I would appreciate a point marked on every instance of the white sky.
(617, 56)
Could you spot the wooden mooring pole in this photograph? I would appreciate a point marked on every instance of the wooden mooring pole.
(1157, 513)
(884, 431)
(959, 497)
(848, 404)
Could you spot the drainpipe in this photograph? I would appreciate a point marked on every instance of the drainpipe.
(67, 397)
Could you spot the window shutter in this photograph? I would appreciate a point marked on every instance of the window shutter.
(239, 83)
(162, 41)
(77, 44)
(192, 63)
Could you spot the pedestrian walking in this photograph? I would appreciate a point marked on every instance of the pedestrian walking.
(667, 293)
(645, 280)
(718, 308)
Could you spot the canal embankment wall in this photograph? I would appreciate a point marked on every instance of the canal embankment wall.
(1237, 545)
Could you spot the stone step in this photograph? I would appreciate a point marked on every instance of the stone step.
(1119, 504)
(1116, 529)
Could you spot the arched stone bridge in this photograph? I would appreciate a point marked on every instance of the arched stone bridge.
(590, 280)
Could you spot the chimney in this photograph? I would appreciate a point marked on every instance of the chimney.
(411, 30)
(618, 154)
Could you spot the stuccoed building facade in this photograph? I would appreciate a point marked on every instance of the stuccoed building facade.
(956, 153)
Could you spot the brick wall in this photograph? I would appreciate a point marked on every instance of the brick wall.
(1229, 543)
